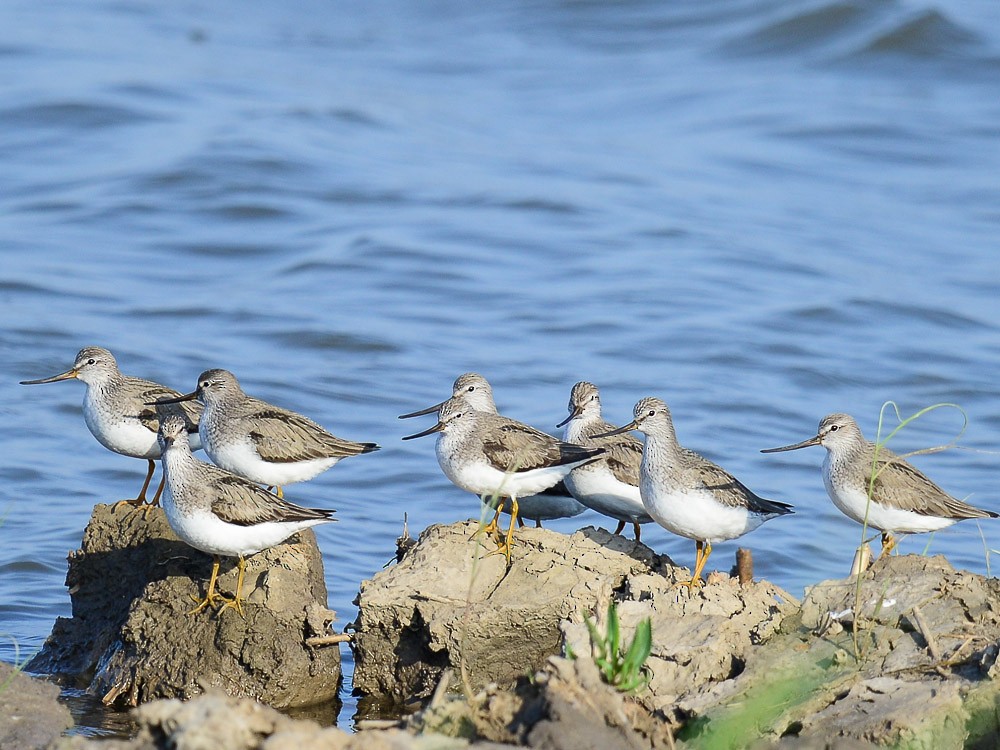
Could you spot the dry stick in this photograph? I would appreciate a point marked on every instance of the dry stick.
(378, 724)
(328, 640)
(442, 688)
(926, 633)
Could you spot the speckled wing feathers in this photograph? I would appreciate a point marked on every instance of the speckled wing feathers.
(513, 446)
(283, 437)
(146, 391)
(728, 490)
(242, 503)
(624, 452)
(900, 485)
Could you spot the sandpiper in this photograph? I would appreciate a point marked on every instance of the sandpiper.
(117, 412)
(609, 485)
(688, 494)
(262, 442)
(491, 455)
(550, 504)
(473, 388)
(222, 514)
(903, 500)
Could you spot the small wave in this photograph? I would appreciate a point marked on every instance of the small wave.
(323, 340)
(928, 35)
(73, 115)
(851, 32)
(880, 309)
(805, 30)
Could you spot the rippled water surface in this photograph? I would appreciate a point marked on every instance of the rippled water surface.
(760, 211)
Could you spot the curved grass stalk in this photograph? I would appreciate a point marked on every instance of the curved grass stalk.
(878, 467)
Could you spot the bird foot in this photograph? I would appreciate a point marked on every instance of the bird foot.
(491, 530)
(503, 548)
(213, 599)
(691, 583)
(133, 503)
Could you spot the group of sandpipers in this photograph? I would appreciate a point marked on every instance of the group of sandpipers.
(223, 511)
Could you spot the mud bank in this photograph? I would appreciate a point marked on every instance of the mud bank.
(908, 657)
(131, 640)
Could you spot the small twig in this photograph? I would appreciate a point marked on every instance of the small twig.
(442, 688)
(862, 560)
(329, 640)
(953, 659)
(925, 631)
(377, 724)
(423, 597)
(786, 596)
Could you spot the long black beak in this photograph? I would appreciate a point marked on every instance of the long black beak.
(176, 400)
(429, 431)
(71, 373)
(630, 426)
(428, 410)
(577, 411)
(803, 444)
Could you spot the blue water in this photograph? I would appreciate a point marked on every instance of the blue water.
(761, 212)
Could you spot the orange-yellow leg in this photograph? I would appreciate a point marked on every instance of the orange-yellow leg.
(493, 527)
(236, 603)
(506, 545)
(888, 545)
(701, 552)
(706, 551)
(135, 503)
(212, 596)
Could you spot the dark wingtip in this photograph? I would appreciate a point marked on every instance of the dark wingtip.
(370, 447)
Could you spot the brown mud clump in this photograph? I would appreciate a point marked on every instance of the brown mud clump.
(30, 715)
(131, 640)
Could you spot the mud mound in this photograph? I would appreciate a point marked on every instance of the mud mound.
(917, 668)
(131, 585)
(449, 604)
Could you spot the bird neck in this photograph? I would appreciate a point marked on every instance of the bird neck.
(660, 448)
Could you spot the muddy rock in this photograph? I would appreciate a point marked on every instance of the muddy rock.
(218, 721)
(30, 714)
(131, 639)
(700, 637)
(917, 668)
(566, 705)
(449, 604)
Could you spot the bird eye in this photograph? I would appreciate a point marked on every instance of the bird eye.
(651, 413)
(91, 361)
(834, 427)
(471, 388)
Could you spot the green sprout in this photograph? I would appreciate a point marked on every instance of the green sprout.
(626, 672)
